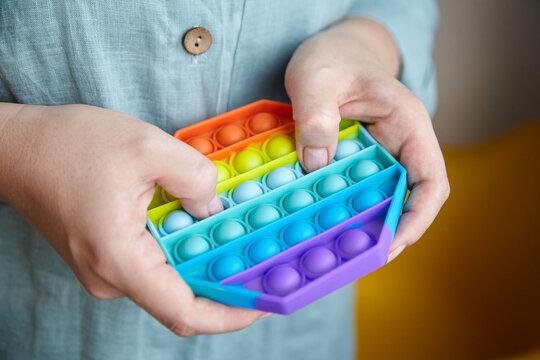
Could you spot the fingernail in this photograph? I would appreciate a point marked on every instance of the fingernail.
(395, 253)
(315, 158)
(215, 206)
(264, 316)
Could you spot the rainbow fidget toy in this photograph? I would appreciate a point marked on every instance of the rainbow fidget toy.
(286, 238)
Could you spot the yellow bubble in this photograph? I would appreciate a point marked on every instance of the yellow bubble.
(279, 146)
(223, 172)
(247, 160)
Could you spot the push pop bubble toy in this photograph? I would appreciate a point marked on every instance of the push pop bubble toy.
(286, 238)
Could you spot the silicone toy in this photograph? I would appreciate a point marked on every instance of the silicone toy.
(363, 169)
(286, 237)
(191, 247)
(262, 249)
(297, 200)
(262, 122)
(263, 215)
(246, 191)
(230, 134)
(333, 215)
(280, 176)
(176, 220)
(246, 160)
(330, 184)
(227, 231)
(346, 148)
(203, 145)
(279, 146)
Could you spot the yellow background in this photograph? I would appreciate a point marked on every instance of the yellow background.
(470, 288)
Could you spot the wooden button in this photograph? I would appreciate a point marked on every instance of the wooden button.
(197, 40)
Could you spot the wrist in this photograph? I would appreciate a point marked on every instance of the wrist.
(373, 40)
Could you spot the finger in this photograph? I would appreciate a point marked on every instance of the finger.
(421, 208)
(187, 175)
(429, 186)
(157, 288)
(316, 116)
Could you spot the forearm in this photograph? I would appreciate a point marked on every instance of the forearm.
(17, 122)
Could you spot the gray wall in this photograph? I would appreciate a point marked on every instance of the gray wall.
(488, 61)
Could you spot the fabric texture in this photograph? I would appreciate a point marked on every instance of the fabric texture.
(127, 55)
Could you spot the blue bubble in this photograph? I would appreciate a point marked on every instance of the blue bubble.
(366, 199)
(263, 215)
(262, 249)
(297, 232)
(246, 191)
(227, 265)
(177, 220)
(297, 200)
(333, 215)
(331, 184)
(346, 148)
(280, 176)
(192, 247)
(228, 231)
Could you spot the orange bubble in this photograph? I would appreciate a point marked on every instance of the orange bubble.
(262, 122)
(201, 144)
(230, 134)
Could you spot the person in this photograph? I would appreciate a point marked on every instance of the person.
(91, 92)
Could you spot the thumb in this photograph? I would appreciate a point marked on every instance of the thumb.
(316, 119)
(315, 113)
(188, 175)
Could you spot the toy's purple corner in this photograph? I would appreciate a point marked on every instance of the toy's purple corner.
(348, 272)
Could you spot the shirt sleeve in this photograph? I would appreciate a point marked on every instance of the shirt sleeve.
(412, 23)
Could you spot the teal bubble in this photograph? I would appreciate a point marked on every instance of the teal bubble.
(263, 215)
(363, 169)
(297, 200)
(191, 247)
(331, 184)
(227, 231)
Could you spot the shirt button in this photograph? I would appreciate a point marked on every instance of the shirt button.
(197, 40)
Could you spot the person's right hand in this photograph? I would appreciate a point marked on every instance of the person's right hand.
(84, 176)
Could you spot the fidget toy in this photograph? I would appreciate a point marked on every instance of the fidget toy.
(286, 237)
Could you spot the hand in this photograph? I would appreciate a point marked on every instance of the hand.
(348, 71)
(84, 176)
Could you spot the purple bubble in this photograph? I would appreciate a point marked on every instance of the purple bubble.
(282, 280)
(318, 260)
(353, 242)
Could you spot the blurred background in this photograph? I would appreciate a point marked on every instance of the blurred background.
(470, 289)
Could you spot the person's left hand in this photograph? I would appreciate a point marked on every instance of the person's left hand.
(349, 71)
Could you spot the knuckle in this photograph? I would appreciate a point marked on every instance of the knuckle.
(100, 292)
(320, 123)
(206, 176)
(182, 329)
(445, 189)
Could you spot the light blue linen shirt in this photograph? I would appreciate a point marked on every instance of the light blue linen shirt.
(127, 55)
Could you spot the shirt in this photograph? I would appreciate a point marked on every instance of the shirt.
(127, 55)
